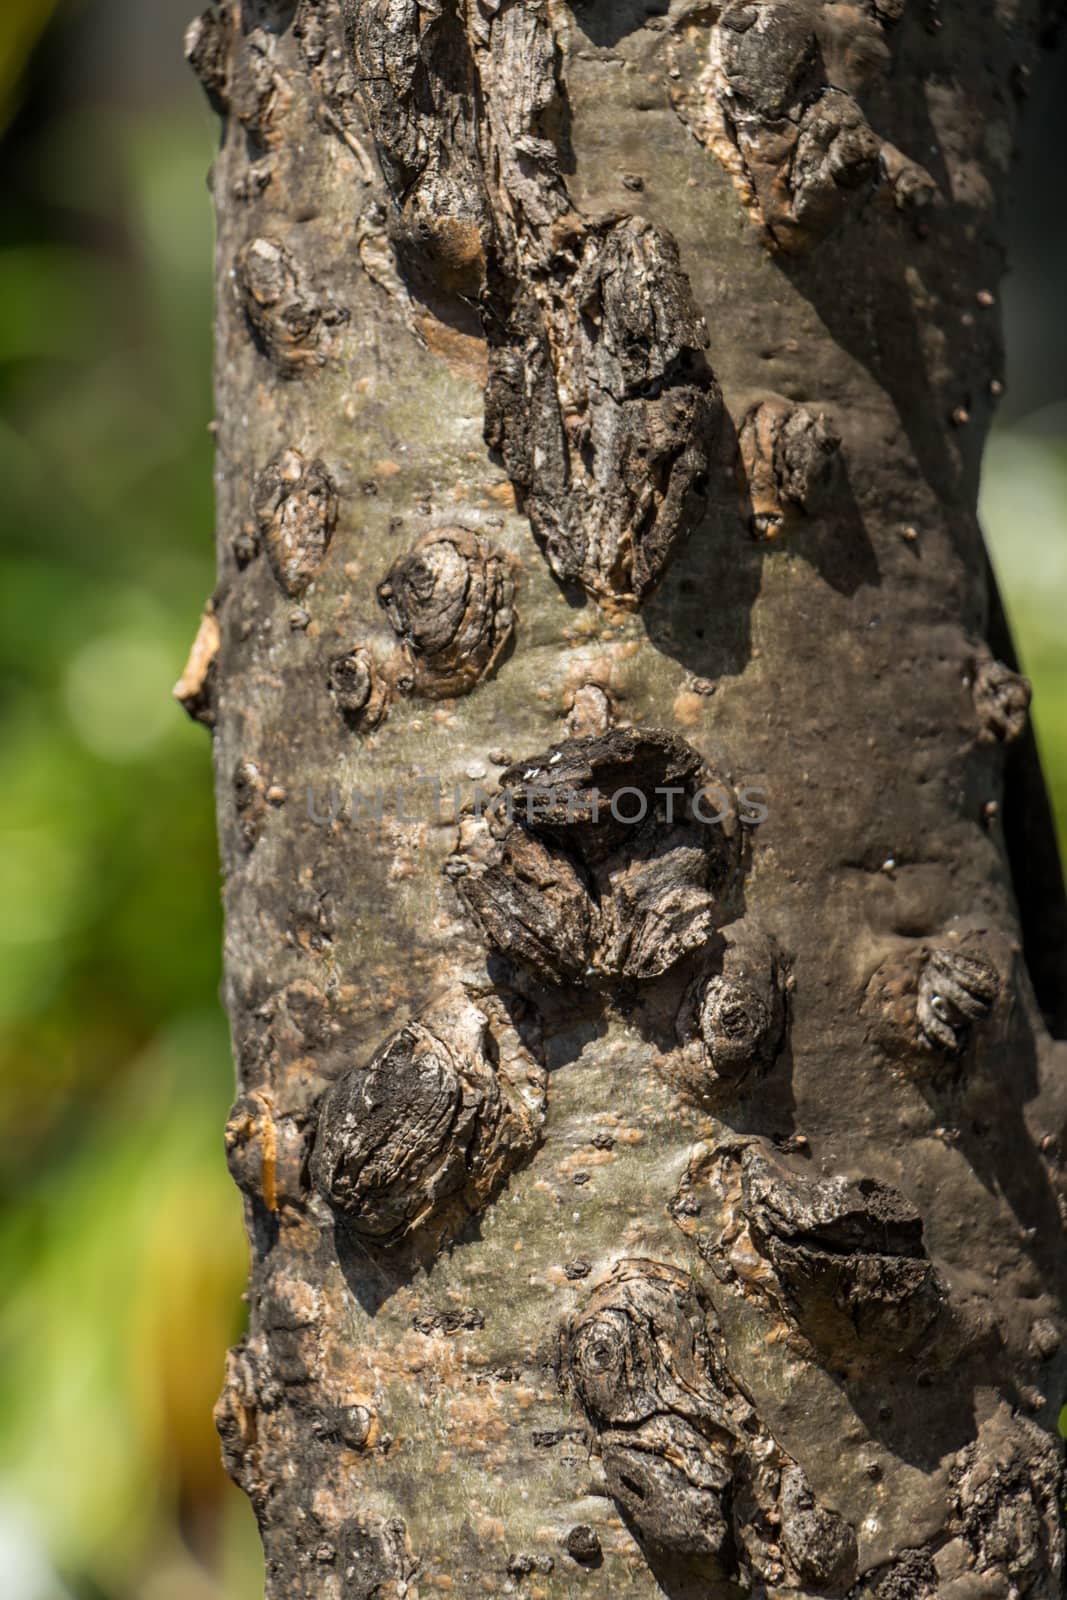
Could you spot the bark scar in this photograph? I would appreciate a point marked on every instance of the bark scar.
(688, 1461)
(599, 399)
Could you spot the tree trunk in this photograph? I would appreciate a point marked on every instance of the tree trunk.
(645, 935)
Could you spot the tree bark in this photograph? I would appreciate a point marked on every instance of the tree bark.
(645, 935)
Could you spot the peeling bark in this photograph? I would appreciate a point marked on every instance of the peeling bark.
(653, 1148)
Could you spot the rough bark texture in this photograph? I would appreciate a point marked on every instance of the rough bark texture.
(655, 1167)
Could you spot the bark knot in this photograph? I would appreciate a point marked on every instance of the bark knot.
(689, 1463)
(1002, 700)
(295, 506)
(196, 688)
(840, 1259)
(208, 46)
(603, 858)
(450, 601)
(731, 1024)
(925, 1004)
(423, 1136)
(289, 320)
(760, 86)
(788, 459)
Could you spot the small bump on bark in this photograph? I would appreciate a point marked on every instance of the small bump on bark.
(247, 1389)
(356, 1426)
(250, 800)
(448, 1320)
(955, 991)
(294, 502)
(1007, 1496)
(245, 546)
(450, 602)
(521, 1566)
(359, 687)
(195, 689)
(753, 88)
(924, 1003)
(834, 167)
(687, 1460)
(582, 1544)
(602, 405)
(637, 1348)
(311, 30)
(419, 85)
(1004, 1532)
(1045, 1339)
(912, 1577)
(731, 1024)
(912, 189)
(575, 1270)
(288, 319)
(260, 94)
(788, 459)
(265, 1152)
(208, 44)
(735, 1023)
(590, 713)
(819, 1545)
(768, 54)
(257, 177)
(532, 903)
(1002, 701)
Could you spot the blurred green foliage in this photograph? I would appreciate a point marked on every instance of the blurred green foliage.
(23, 23)
(121, 1234)
(1024, 512)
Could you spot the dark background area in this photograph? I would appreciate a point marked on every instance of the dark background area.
(120, 1234)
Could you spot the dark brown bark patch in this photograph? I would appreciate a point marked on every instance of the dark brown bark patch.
(1004, 1531)
(687, 1460)
(602, 405)
(375, 1559)
(753, 86)
(604, 858)
(426, 1133)
(1007, 1495)
(848, 1265)
(599, 399)
(419, 87)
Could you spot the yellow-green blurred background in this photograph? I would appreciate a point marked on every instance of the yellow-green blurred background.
(121, 1251)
